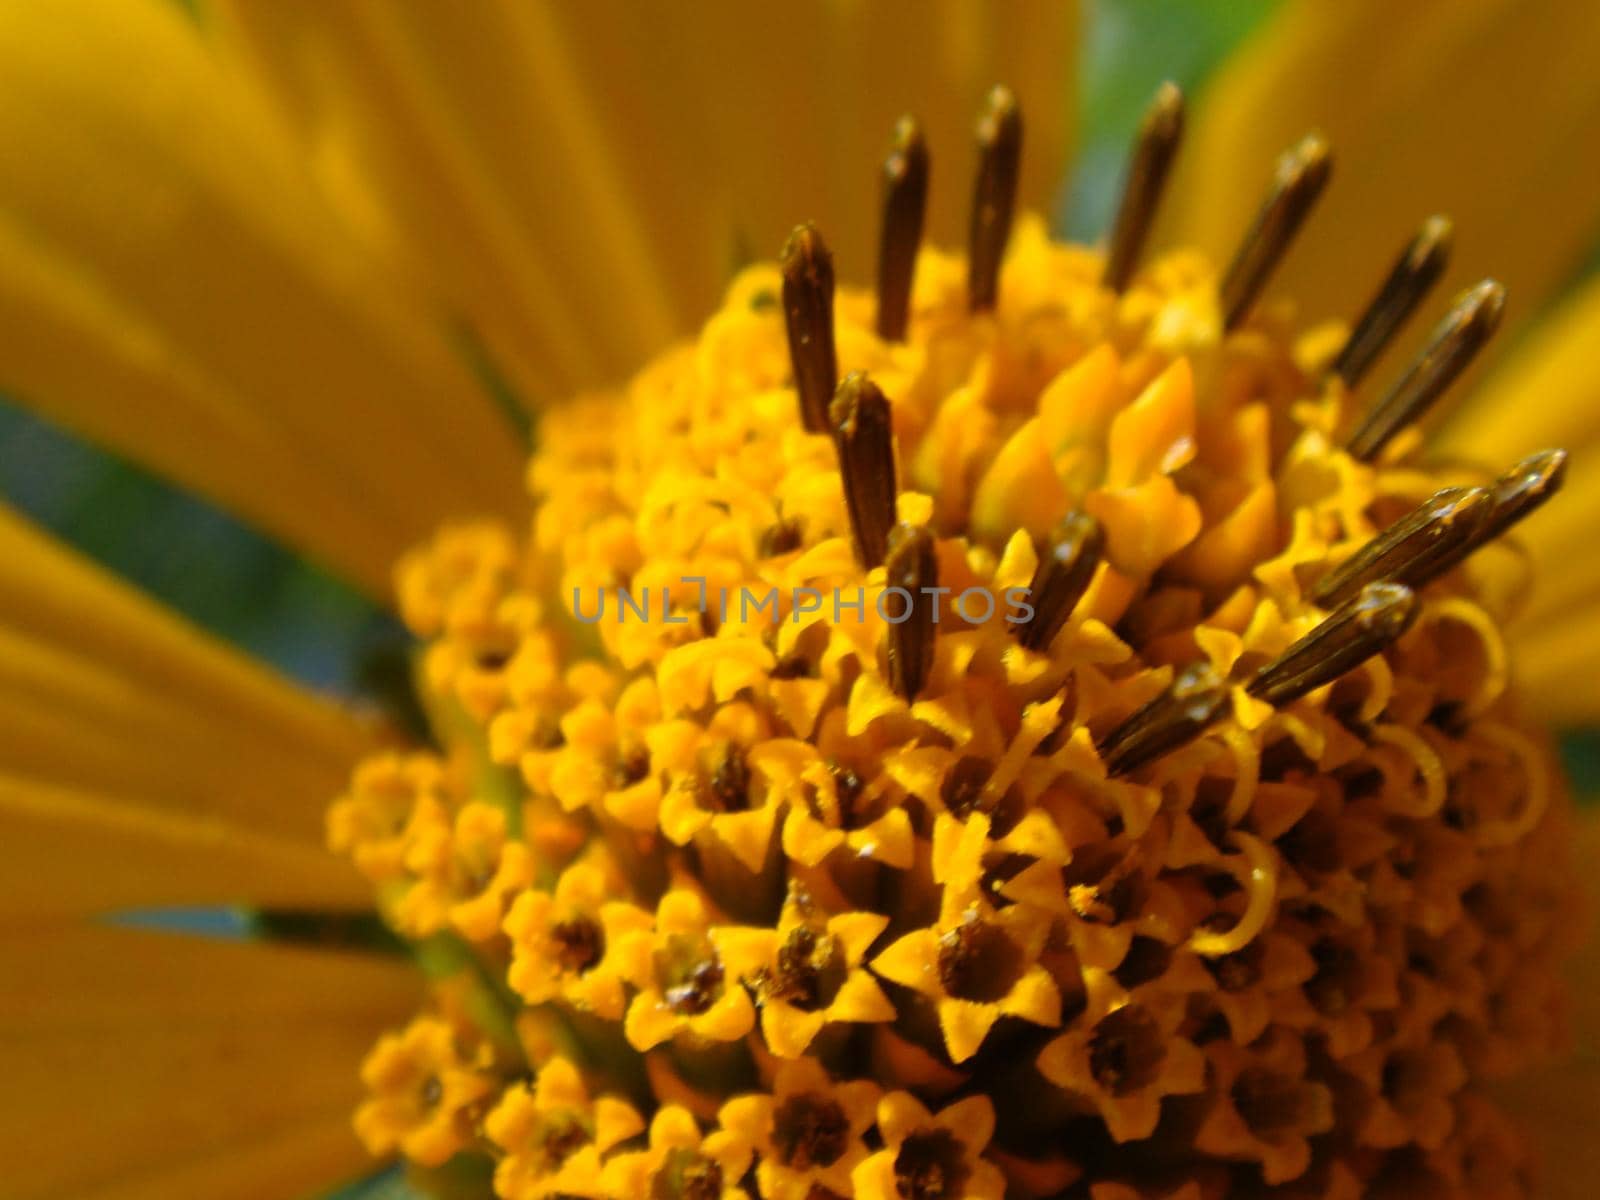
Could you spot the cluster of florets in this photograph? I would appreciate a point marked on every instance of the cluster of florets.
(789, 903)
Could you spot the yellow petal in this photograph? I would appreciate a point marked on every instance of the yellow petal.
(1145, 524)
(1469, 109)
(78, 852)
(439, 128)
(1020, 490)
(1155, 434)
(910, 961)
(138, 1059)
(202, 310)
(965, 1026)
(105, 690)
(1546, 395)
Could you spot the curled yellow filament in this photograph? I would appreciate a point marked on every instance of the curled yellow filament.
(1428, 768)
(1256, 869)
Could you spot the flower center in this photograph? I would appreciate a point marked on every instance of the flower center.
(979, 961)
(1126, 1051)
(690, 973)
(810, 1131)
(577, 943)
(930, 1165)
(687, 1175)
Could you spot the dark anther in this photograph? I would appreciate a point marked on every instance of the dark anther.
(631, 769)
(691, 974)
(1455, 341)
(1126, 1050)
(808, 1131)
(905, 205)
(931, 1165)
(911, 566)
(1066, 566)
(727, 787)
(1521, 490)
(811, 968)
(1153, 152)
(864, 436)
(1362, 626)
(1415, 272)
(962, 787)
(808, 315)
(1414, 550)
(978, 961)
(579, 943)
(1302, 172)
(779, 538)
(994, 196)
(687, 1174)
(1195, 699)
(848, 788)
(431, 1093)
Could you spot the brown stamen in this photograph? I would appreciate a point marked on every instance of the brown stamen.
(1066, 567)
(1177, 716)
(905, 205)
(1413, 550)
(911, 566)
(1374, 618)
(864, 436)
(1516, 494)
(1414, 274)
(931, 1165)
(808, 316)
(1157, 145)
(994, 196)
(1454, 343)
(1301, 174)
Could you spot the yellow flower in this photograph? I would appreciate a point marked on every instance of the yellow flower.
(811, 973)
(977, 964)
(808, 1132)
(1123, 1057)
(681, 1163)
(568, 943)
(425, 1091)
(929, 1156)
(686, 971)
(1252, 822)
(555, 1137)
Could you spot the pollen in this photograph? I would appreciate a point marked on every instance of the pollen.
(1040, 723)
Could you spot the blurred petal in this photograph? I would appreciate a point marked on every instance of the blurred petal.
(171, 284)
(1487, 111)
(87, 853)
(103, 689)
(138, 1059)
(1548, 394)
(581, 179)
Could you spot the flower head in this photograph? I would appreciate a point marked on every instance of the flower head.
(1066, 697)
